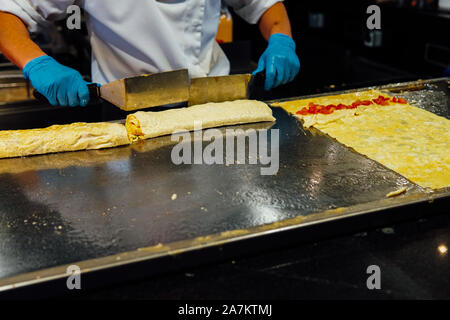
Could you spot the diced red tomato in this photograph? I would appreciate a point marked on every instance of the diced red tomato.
(303, 112)
(356, 104)
(382, 101)
(314, 108)
(327, 111)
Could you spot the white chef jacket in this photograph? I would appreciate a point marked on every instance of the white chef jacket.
(131, 37)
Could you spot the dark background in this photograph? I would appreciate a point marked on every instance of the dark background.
(336, 54)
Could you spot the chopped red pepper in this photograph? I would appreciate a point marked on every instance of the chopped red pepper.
(327, 109)
(303, 112)
(313, 108)
(356, 104)
(382, 101)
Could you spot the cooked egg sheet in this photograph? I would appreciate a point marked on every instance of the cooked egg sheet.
(404, 138)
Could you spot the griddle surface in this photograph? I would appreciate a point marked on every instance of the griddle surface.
(121, 199)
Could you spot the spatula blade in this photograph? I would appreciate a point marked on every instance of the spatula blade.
(218, 89)
(147, 91)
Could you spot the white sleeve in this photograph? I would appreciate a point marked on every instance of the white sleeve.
(251, 10)
(37, 13)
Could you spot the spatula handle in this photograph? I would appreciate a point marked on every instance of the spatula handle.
(256, 86)
(94, 94)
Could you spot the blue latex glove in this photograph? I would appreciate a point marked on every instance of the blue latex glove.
(279, 60)
(61, 85)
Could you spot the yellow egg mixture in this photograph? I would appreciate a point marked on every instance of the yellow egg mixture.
(404, 138)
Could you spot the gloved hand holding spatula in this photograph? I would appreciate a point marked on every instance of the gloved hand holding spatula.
(61, 85)
(279, 61)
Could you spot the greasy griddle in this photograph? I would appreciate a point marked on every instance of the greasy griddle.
(114, 207)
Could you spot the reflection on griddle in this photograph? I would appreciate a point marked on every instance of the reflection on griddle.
(164, 141)
(63, 160)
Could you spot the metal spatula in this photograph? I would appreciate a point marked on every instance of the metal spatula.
(142, 91)
(227, 88)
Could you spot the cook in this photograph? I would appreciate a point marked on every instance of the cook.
(142, 36)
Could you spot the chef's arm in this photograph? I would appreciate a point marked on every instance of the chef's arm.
(275, 20)
(61, 85)
(15, 42)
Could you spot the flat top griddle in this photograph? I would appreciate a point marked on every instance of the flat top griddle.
(104, 208)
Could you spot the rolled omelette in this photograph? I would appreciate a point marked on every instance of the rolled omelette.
(145, 125)
(60, 138)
